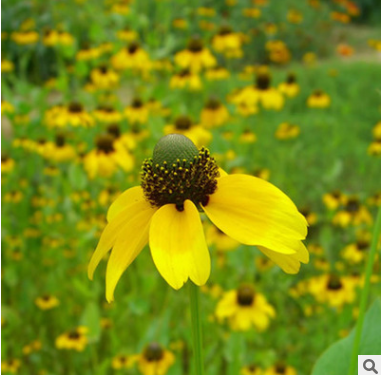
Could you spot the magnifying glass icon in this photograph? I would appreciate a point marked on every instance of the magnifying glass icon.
(371, 367)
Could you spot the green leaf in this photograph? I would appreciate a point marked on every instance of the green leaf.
(336, 359)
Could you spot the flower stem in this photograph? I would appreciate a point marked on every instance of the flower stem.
(364, 297)
(196, 328)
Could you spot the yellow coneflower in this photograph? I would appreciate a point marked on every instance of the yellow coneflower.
(263, 173)
(127, 35)
(228, 42)
(131, 57)
(195, 57)
(290, 88)
(125, 141)
(34, 346)
(375, 199)
(123, 362)
(179, 180)
(217, 73)
(340, 17)
(245, 308)
(309, 58)
(13, 196)
(280, 369)
(261, 93)
(221, 241)
(278, 51)
(214, 114)
(186, 79)
(357, 252)
(375, 147)
(206, 12)
(11, 366)
(352, 213)
(107, 114)
(251, 370)
(287, 131)
(6, 108)
(294, 16)
(332, 289)
(7, 164)
(7, 66)
(121, 7)
(196, 133)
(318, 99)
(333, 199)
(180, 23)
(46, 302)
(74, 340)
(137, 112)
(155, 360)
(375, 44)
(252, 12)
(25, 37)
(104, 78)
(59, 150)
(74, 114)
(106, 159)
(247, 136)
(87, 53)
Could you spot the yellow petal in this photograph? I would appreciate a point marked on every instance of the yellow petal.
(127, 198)
(178, 245)
(111, 231)
(131, 239)
(255, 212)
(290, 263)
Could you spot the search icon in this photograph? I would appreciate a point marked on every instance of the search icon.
(370, 368)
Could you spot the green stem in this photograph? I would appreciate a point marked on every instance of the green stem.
(196, 329)
(364, 297)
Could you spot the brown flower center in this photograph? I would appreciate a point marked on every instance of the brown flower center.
(104, 143)
(245, 295)
(153, 352)
(183, 123)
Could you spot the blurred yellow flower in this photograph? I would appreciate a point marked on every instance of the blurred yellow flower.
(195, 57)
(74, 340)
(155, 360)
(245, 308)
(186, 79)
(290, 88)
(25, 37)
(11, 366)
(287, 131)
(104, 78)
(184, 125)
(214, 114)
(123, 362)
(318, 99)
(106, 159)
(280, 368)
(137, 112)
(131, 57)
(46, 302)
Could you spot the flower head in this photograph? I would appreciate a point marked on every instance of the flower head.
(177, 184)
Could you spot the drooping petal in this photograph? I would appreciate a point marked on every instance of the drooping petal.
(255, 212)
(178, 245)
(131, 239)
(127, 198)
(290, 263)
(112, 230)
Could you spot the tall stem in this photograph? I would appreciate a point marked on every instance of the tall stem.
(196, 328)
(364, 297)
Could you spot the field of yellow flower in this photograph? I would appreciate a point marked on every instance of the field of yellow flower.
(222, 151)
